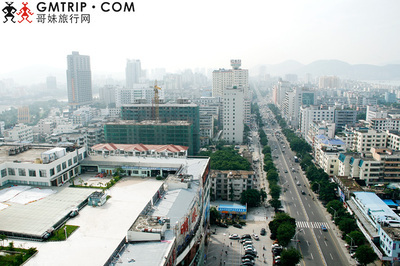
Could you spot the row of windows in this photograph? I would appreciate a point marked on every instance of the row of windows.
(41, 173)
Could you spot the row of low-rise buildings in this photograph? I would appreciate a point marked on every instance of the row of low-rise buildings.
(174, 223)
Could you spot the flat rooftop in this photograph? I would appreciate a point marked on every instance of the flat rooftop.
(28, 156)
(101, 229)
(34, 219)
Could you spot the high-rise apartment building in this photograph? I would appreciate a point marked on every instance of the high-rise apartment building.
(133, 72)
(79, 80)
(233, 115)
(23, 114)
(228, 78)
(326, 82)
(314, 113)
(279, 92)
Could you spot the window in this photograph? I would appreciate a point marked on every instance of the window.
(21, 172)
(64, 165)
(58, 168)
(32, 172)
(42, 173)
(69, 162)
(11, 171)
(52, 172)
(3, 172)
(75, 159)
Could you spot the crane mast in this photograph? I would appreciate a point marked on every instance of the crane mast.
(156, 101)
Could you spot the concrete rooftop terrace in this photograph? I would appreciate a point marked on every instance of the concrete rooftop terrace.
(28, 155)
(35, 218)
(101, 228)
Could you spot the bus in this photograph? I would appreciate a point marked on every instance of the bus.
(296, 160)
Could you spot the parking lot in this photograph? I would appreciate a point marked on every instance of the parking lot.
(224, 251)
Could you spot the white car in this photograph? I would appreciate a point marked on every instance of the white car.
(234, 236)
(256, 237)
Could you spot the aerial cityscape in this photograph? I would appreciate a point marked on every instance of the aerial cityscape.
(211, 133)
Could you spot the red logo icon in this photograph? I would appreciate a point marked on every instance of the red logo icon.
(25, 11)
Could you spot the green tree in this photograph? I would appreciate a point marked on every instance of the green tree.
(266, 149)
(251, 196)
(347, 225)
(365, 254)
(275, 203)
(228, 159)
(285, 233)
(19, 259)
(214, 215)
(11, 246)
(274, 191)
(290, 257)
(357, 237)
(279, 219)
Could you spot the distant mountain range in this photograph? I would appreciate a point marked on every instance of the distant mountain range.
(390, 72)
(334, 67)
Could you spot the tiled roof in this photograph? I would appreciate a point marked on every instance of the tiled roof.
(139, 147)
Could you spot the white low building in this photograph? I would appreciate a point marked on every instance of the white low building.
(20, 132)
(38, 165)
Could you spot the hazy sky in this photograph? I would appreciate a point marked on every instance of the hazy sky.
(178, 34)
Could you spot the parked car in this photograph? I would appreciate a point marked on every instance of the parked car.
(237, 225)
(323, 228)
(250, 252)
(245, 236)
(263, 232)
(247, 242)
(248, 246)
(249, 256)
(248, 260)
(234, 236)
(251, 249)
(223, 225)
(256, 237)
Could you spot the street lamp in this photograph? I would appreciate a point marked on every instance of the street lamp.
(295, 238)
(351, 243)
(65, 230)
(319, 186)
(334, 214)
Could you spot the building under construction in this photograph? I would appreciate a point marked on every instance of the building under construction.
(182, 110)
(151, 132)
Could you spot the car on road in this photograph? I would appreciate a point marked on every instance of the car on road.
(237, 225)
(234, 236)
(303, 192)
(323, 228)
(263, 232)
(285, 171)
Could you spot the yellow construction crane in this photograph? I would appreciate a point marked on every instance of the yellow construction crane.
(156, 101)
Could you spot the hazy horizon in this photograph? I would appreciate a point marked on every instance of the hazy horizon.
(179, 34)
